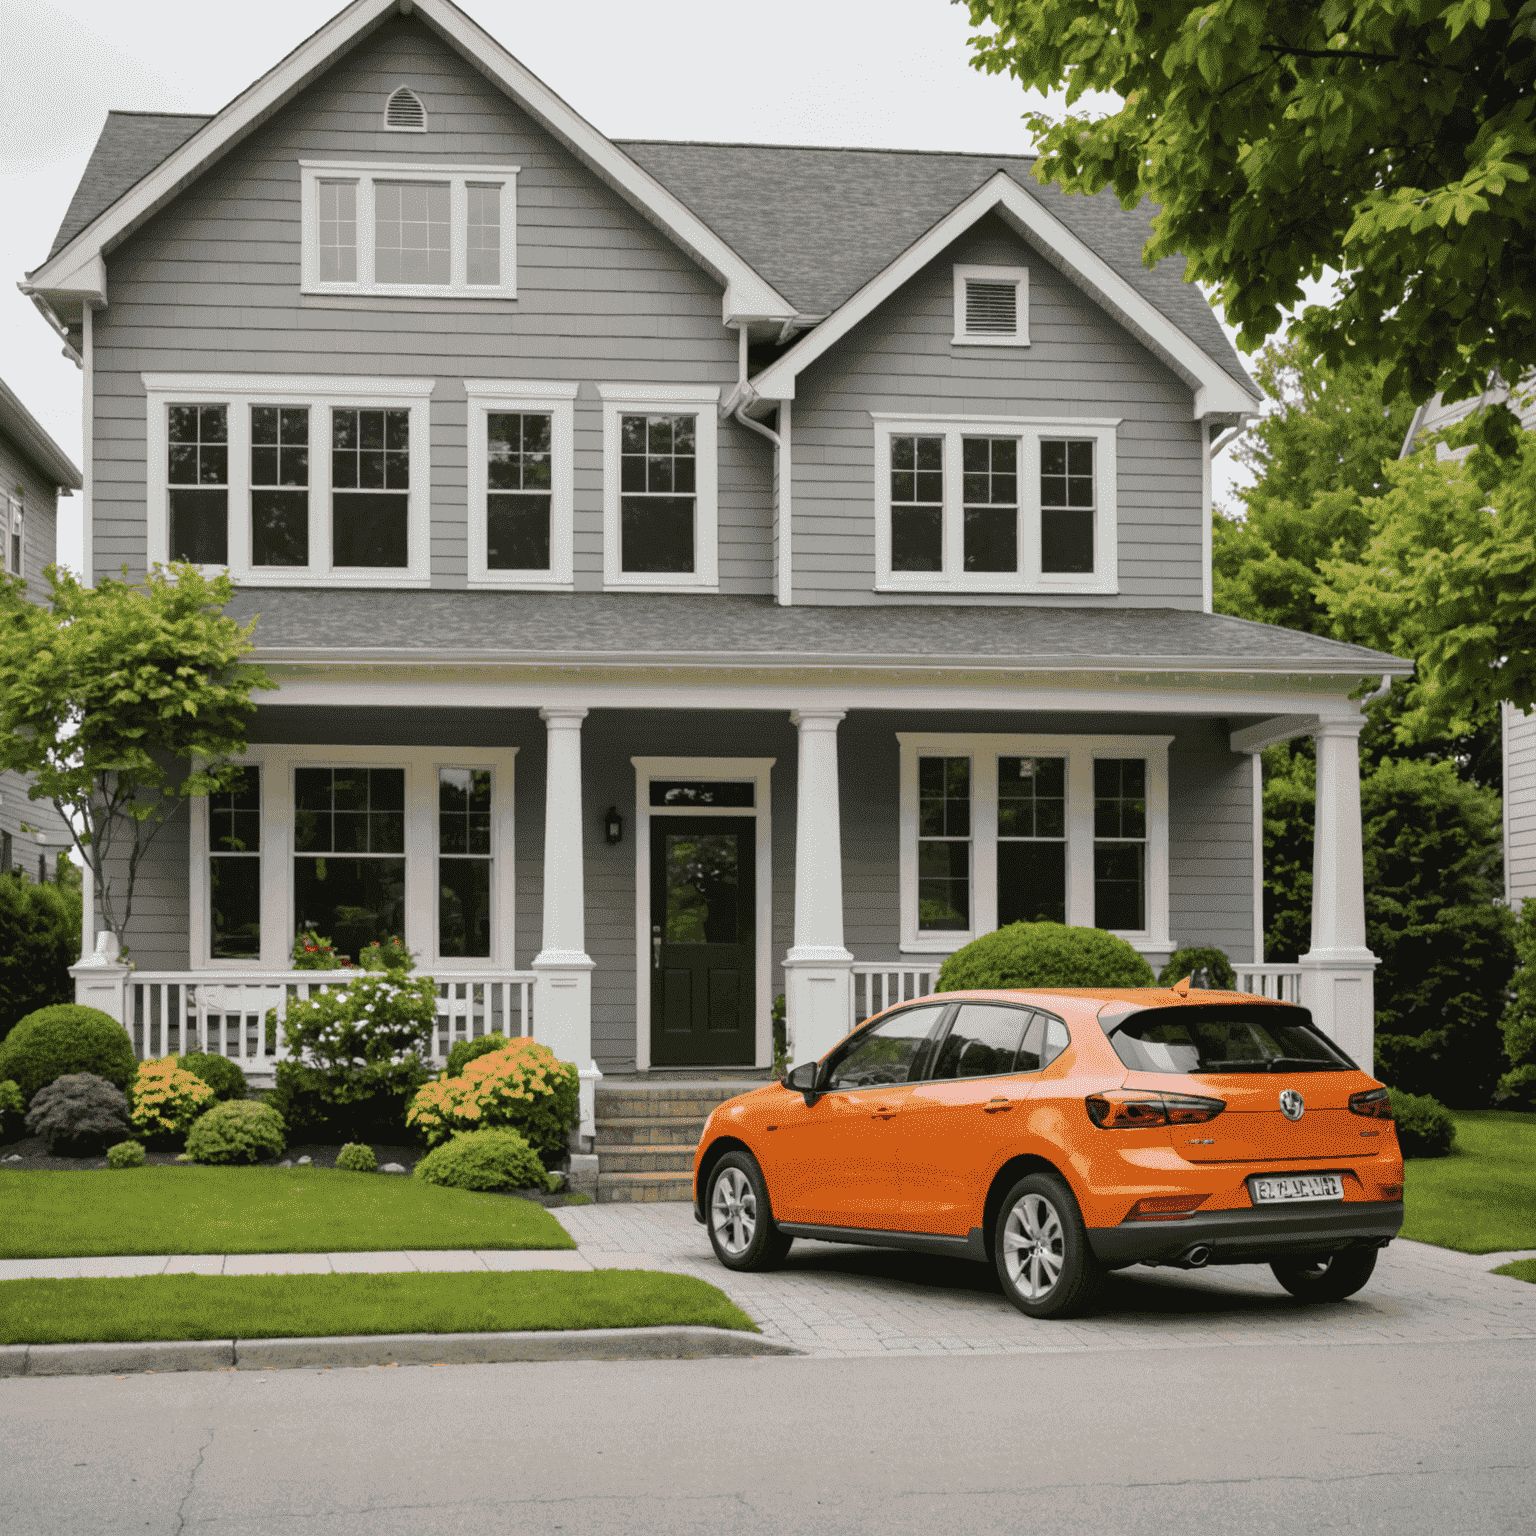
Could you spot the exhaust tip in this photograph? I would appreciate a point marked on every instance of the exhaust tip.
(1197, 1257)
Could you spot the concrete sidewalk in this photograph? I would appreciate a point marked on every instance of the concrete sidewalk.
(396, 1262)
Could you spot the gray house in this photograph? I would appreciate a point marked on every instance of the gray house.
(694, 572)
(34, 473)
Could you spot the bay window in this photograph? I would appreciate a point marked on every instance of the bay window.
(1003, 504)
(999, 829)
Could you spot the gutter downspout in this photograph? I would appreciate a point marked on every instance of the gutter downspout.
(741, 397)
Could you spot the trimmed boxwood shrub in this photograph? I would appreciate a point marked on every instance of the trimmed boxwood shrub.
(219, 1072)
(1186, 962)
(1424, 1124)
(242, 1131)
(494, 1159)
(39, 941)
(66, 1038)
(524, 1086)
(356, 1158)
(79, 1115)
(12, 1108)
(126, 1154)
(1044, 955)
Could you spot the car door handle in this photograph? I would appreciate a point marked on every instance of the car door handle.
(993, 1105)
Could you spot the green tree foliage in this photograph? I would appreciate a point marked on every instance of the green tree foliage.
(1433, 849)
(106, 691)
(39, 941)
(1390, 143)
(1519, 1022)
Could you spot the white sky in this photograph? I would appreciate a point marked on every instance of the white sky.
(880, 73)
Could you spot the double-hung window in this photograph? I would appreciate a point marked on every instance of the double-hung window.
(290, 480)
(1007, 829)
(659, 486)
(413, 230)
(234, 868)
(994, 505)
(521, 499)
(13, 535)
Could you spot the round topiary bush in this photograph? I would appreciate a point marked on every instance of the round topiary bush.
(219, 1072)
(12, 1108)
(523, 1086)
(466, 1051)
(1424, 1124)
(1044, 955)
(166, 1098)
(79, 1115)
(495, 1159)
(1187, 962)
(356, 1158)
(66, 1039)
(126, 1154)
(242, 1131)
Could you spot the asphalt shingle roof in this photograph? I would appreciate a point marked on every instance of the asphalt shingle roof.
(817, 223)
(653, 627)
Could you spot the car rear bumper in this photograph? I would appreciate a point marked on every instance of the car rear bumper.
(1251, 1236)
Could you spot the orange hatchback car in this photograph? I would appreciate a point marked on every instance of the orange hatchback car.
(1064, 1134)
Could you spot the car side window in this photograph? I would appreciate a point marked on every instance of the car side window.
(1033, 1046)
(892, 1051)
(1056, 1040)
(982, 1042)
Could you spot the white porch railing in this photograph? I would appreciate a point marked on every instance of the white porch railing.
(881, 984)
(225, 1015)
(1277, 981)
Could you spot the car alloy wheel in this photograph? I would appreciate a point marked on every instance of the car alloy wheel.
(741, 1226)
(1041, 1249)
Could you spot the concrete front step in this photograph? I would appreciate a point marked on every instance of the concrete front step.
(621, 1159)
(616, 1187)
(647, 1131)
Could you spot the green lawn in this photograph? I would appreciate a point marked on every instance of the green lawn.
(255, 1210)
(1482, 1198)
(298, 1306)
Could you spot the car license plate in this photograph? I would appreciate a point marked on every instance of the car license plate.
(1301, 1186)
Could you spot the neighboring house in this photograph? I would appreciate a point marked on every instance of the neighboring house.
(34, 473)
(693, 571)
(1518, 728)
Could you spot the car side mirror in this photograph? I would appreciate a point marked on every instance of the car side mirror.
(802, 1079)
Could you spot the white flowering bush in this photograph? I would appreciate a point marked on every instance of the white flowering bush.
(358, 1055)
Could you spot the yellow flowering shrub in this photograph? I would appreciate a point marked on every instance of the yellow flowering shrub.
(165, 1098)
(523, 1086)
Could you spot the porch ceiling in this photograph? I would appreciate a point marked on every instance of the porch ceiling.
(644, 629)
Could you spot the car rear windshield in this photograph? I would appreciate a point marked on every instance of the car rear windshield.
(1223, 1037)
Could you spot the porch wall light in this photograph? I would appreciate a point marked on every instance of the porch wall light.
(613, 825)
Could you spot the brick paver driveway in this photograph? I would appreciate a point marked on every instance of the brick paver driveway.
(833, 1300)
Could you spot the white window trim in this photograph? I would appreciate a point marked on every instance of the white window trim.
(277, 764)
(239, 393)
(366, 172)
(758, 771)
(1019, 277)
(15, 523)
(1080, 752)
(678, 399)
(1028, 431)
(485, 396)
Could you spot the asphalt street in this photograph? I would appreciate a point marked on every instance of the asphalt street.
(1294, 1437)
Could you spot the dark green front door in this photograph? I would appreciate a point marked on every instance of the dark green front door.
(703, 923)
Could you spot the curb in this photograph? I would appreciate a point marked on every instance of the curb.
(118, 1359)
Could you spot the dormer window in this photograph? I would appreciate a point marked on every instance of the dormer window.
(404, 113)
(991, 307)
(414, 230)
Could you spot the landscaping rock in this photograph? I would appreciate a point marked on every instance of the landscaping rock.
(304, 1162)
(392, 1168)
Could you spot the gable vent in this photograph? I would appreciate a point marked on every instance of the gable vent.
(991, 309)
(405, 113)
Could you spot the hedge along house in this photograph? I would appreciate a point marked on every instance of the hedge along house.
(693, 571)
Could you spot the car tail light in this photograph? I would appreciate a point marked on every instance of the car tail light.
(1165, 1207)
(1375, 1103)
(1121, 1109)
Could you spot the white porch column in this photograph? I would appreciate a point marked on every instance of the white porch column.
(818, 980)
(101, 978)
(563, 997)
(1337, 972)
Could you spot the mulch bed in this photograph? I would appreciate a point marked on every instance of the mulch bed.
(32, 1153)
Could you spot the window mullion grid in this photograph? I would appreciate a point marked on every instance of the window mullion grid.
(954, 517)
(366, 232)
(1029, 514)
(240, 489)
(458, 234)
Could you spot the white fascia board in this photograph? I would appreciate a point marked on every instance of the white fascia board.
(748, 296)
(1215, 390)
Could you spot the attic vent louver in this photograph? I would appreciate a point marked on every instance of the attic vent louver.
(991, 309)
(405, 113)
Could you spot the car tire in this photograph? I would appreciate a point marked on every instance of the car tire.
(1041, 1249)
(1329, 1278)
(740, 1220)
